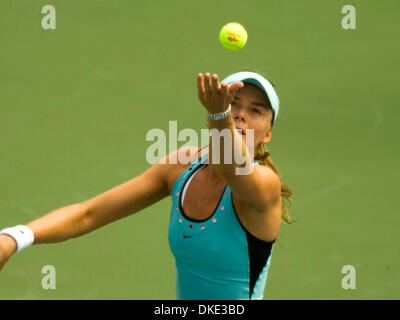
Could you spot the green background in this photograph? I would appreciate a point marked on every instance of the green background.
(76, 104)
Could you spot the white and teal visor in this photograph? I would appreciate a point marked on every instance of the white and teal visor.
(259, 81)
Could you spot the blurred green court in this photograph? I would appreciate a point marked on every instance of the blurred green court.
(76, 104)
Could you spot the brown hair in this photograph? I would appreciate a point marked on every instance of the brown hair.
(264, 158)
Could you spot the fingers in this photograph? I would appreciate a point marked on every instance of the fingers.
(207, 84)
(234, 88)
(212, 94)
(214, 85)
(204, 86)
(200, 86)
(225, 92)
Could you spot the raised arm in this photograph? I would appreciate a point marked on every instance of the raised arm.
(259, 186)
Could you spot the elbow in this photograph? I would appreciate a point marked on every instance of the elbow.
(85, 224)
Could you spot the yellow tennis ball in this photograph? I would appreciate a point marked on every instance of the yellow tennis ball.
(233, 36)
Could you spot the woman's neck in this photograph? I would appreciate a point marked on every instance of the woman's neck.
(212, 175)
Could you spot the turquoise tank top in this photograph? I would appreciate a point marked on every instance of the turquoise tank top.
(216, 258)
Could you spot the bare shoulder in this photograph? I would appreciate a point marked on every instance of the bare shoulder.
(268, 180)
(264, 193)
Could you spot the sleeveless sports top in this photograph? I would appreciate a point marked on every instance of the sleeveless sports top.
(216, 258)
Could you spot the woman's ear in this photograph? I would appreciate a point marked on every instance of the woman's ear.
(267, 137)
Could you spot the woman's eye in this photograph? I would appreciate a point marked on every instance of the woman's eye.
(256, 110)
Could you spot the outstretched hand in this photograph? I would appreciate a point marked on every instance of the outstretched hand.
(213, 96)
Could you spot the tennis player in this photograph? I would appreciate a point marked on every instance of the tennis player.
(222, 224)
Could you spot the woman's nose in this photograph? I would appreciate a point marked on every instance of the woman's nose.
(240, 114)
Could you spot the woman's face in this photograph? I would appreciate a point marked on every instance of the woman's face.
(251, 110)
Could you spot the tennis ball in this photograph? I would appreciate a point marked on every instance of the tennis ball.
(233, 36)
